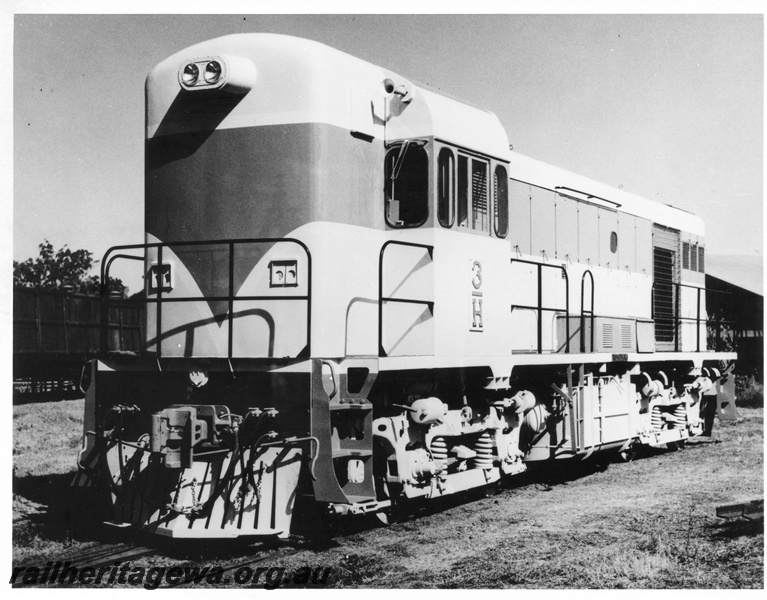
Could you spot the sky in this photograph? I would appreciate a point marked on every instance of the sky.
(667, 106)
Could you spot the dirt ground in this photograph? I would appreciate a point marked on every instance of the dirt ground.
(650, 523)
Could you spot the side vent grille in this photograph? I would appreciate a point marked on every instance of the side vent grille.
(607, 336)
(627, 341)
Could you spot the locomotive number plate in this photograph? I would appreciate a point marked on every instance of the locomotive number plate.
(475, 296)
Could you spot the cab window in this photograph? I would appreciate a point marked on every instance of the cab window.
(473, 194)
(446, 188)
(463, 191)
(501, 204)
(407, 184)
(480, 217)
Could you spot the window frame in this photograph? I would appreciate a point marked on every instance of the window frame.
(462, 191)
(420, 145)
(475, 214)
(464, 163)
(450, 205)
(497, 201)
(465, 192)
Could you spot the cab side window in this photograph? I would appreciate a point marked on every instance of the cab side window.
(501, 201)
(463, 191)
(446, 188)
(407, 184)
(473, 193)
(480, 216)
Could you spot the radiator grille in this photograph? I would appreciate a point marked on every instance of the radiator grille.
(663, 294)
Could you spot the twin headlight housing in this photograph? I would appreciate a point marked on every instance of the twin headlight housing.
(190, 75)
(234, 74)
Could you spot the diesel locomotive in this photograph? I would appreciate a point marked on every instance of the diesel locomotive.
(357, 296)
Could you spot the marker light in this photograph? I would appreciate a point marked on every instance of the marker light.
(283, 273)
(191, 74)
(212, 71)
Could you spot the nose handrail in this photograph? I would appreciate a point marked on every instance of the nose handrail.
(116, 252)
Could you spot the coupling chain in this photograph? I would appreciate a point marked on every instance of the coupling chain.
(196, 506)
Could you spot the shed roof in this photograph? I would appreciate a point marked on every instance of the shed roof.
(742, 270)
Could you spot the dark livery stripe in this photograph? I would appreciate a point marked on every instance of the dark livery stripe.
(256, 182)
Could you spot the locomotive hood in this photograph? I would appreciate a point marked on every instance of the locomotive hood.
(566, 182)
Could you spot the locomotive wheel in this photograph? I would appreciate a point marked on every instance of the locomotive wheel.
(629, 454)
(318, 527)
(392, 515)
(678, 445)
(491, 489)
(396, 512)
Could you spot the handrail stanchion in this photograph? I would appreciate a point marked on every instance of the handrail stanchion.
(540, 310)
(230, 319)
(158, 316)
(697, 323)
(584, 311)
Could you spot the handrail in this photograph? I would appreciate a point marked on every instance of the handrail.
(109, 264)
(674, 315)
(540, 308)
(583, 313)
(678, 319)
(108, 259)
(382, 298)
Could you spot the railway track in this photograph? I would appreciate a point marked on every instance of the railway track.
(100, 554)
(52, 569)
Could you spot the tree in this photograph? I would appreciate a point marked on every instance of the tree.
(64, 269)
(720, 336)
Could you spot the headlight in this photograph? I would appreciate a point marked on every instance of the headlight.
(229, 74)
(198, 376)
(191, 74)
(212, 71)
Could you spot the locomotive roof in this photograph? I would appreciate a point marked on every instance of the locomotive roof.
(303, 81)
(535, 172)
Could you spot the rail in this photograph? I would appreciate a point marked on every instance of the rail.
(110, 256)
(382, 298)
(540, 308)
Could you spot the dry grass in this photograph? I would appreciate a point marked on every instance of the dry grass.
(46, 437)
(46, 440)
(646, 524)
(749, 392)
